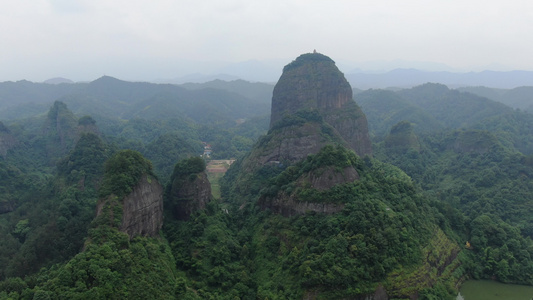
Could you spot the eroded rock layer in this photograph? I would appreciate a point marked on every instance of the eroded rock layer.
(313, 83)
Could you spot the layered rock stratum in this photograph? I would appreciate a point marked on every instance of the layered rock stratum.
(190, 195)
(142, 209)
(313, 82)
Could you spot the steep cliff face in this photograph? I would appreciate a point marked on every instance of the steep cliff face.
(86, 124)
(313, 82)
(190, 195)
(288, 206)
(62, 130)
(328, 177)
(293, 142)
(59, 132)
(308, 185)
(131, 199)
(143, 209)
(60, 126)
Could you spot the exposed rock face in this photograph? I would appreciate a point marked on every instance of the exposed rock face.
(59, 131)
(190, 195)
(7, 140)
(86, 124)
(326, 178)
(289, 206)
(312, 107)
(321, 179)
(294, 143)
(142, 209)
(61, 125)
(313, 82)
(439, 263)
(62, 130)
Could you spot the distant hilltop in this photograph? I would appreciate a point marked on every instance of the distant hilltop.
(58, 80)
(407, 78)
(362, 79)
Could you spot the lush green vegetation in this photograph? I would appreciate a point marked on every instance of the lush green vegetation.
(384, 226)
(479, 178)
(122, 172)
(51, 214)
(448, 168)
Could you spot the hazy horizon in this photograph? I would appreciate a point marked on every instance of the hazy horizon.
(146, 41)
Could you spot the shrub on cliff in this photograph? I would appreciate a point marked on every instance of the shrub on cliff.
(123, 171)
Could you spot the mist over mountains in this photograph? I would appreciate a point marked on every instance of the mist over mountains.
(318, 189)
(402, 74)
(397, 78)
(405, 78)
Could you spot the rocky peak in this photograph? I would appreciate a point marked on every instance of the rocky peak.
(87, 124)
(189, 189)
(312, 82)
(190, 195)
(131, 199)
(142, 209)
(59, 130)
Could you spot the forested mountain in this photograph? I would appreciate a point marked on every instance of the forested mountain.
(385, 108)
(476, 168)
(258, 91)
(520, 97)
(451, 108)
(110, 98)
(400, 194)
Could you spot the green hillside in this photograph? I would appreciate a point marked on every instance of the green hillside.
(444, 197)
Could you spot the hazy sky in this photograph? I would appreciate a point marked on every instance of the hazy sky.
(145, 40)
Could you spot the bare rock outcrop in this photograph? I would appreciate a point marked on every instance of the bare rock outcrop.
(289, 204)
(293, 143)
(60, 129)
(142, 209)
(328, 177)
(86, 125)
(190, 195)
(313, 82)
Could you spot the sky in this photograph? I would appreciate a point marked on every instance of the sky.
(149, 40)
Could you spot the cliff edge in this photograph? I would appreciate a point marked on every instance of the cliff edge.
(313, 82)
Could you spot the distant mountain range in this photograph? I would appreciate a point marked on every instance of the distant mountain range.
(397, 78)
(406, 78)
(58, 80)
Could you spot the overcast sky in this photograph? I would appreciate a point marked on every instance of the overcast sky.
(145, 40)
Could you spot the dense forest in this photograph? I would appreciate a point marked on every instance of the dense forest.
(445, 196)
